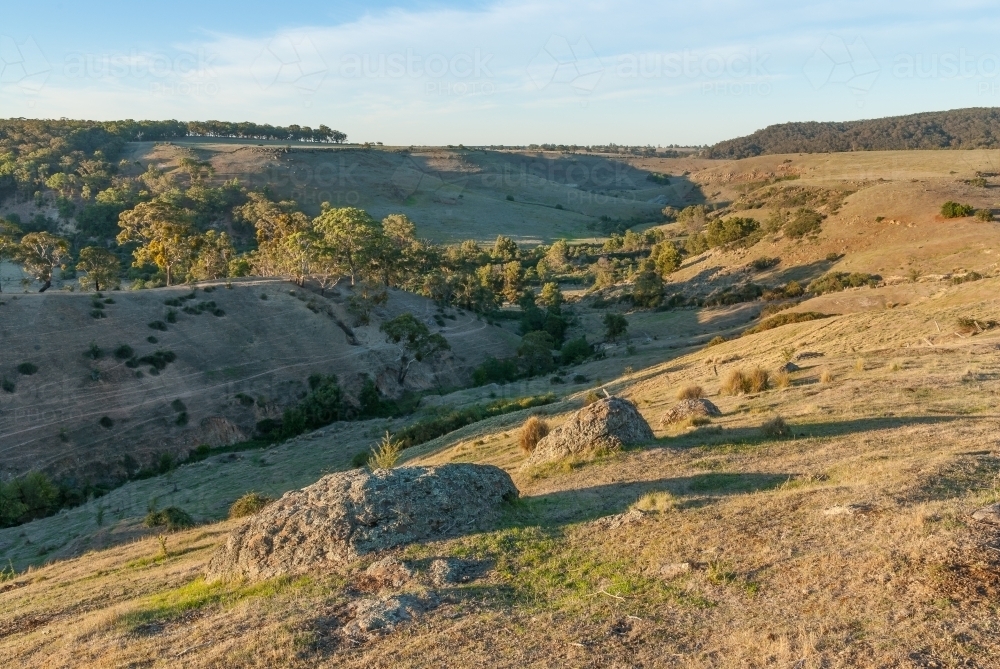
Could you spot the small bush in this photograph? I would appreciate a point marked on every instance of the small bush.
(171, 518)
(985, 215)
(834, 282)
(97, 314)
(94, 351)
(245, 399)
(742, 382)
(158, 325)
(718, 339)
(124, 352)
(761, 264)
(782, 379)
(591, 397)
(955, 210)
(248, 505)
(386, 454)
(178, 406)
(8, 385)
(804, 222)
(833, 256)
(580, 378)
(966, 278)
(27, 368)
(106, 422)
(784, 319)
(690, 393)
(533, 431)
(171, 315)
(360, 459)
(152, 340)
(973, 326)
(182, 419)
(775, 428)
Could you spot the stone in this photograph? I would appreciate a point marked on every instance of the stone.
(688, 408)
(988, 514)
(381, 615)
(350, 514)
(607, 424)
(674, 569)
(451, 571)
(389, 572)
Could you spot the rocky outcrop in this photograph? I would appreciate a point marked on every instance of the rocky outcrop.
(607, 424)
(350, 514)
(688, 409)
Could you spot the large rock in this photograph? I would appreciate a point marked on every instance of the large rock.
(607, 424)
(988, 514)
(346, 515)
(687, 409)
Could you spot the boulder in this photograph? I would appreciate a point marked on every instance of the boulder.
(988, 514)
(346, 515)
(688, 408)
(607, 424)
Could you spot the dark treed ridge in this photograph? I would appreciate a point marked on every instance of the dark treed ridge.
(975, 128)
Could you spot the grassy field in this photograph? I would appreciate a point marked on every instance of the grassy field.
(845, 544)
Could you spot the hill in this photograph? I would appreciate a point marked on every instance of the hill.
(976, 128)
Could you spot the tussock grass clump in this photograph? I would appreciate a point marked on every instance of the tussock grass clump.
(775, 428)
(859, 365)
(782, 379)
(385, 453)
(692, 392)
(826, 376)
(718, 339)
(591, 397)
(248, 504)
(658, 502)
(743, 382)
(533, 431)
(172, 518)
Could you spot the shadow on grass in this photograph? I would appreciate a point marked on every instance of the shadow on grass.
(580, 505)
(747, 437)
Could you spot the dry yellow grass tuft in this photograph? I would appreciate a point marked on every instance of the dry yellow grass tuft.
(826, 376)
(859, 365)
(741, 382)
(782, 378)
(691, 392)
(533, 431)
(656, 502)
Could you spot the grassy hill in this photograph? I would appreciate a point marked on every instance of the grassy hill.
(976, 128)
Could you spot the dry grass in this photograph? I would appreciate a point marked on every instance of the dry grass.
(386, 453)
(742, 382)
(775, 428)
(692, 392)
(533, 431)
(826, 376)
(248, 505)
(782, 378)
(859, 365)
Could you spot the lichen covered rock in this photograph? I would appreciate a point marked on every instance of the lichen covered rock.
(687, 409)
(346, 515)
(607, 424)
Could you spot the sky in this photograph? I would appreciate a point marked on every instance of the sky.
(509, 72)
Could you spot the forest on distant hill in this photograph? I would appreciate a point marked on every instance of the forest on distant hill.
(976, 128)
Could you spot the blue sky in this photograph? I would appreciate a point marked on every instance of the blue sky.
(509, 72)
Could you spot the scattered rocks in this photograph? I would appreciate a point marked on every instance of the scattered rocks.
(343, 516)
(846, 510)
(451, 571)
(607, 424)
(630, 517)
(789, 367)
(688, 408)
(376, 616)
(988, 514)
(674, 569)
(389, 572)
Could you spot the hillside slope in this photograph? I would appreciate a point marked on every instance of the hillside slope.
(975, 128)
(245, 359)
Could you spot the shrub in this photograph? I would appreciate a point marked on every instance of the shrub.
(178, 406)
(733, 229)
(248, 505)
(782, 379)
(984, 215)
(245, 399)
(27, 368)
(171, 315)
(152, 340)
(97, 314)
(784, 319)
(591, 397)
(8, 385)
(580, 378)
(106, 422)
(158, 325)
(716, 340)
(158, 360)
(955, 210)
(775, 428)
(495, 371)
(533, 430)
(834, 282)
(761, 264)
(182, 419)
(965, 278)
(804, 222)
(575, 351)
(741, 382)
(124, 352)
(94, 351)
(171, 518)
(974, 326)
(386, 454)
(615, 326)
(690, 393)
